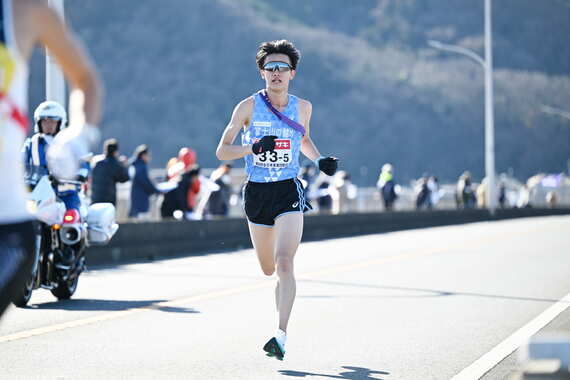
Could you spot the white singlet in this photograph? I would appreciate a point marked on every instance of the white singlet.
(13, 121)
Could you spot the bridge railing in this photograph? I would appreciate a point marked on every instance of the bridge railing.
(367, 199)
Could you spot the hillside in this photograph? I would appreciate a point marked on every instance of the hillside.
(174, 71)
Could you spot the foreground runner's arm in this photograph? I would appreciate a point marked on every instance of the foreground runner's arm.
(85, 98)
(240, 118)
(74, 62)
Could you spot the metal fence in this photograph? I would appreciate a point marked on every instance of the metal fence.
(367, 199)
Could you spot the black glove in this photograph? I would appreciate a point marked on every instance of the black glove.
(53, 180)
(267, 143)
(327, 165)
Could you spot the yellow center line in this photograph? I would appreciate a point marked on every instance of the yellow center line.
(246, 288)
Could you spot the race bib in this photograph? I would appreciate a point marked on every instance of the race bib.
(278, 158)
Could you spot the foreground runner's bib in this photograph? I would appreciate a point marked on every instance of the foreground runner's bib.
(283, 162)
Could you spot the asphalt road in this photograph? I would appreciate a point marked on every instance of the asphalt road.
(421, 304)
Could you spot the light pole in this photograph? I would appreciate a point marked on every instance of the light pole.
(55, 82)
(487, 64)
(555, 111)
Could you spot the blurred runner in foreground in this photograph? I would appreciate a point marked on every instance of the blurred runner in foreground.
(23, 24)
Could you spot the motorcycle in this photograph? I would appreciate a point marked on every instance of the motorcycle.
(62, 237)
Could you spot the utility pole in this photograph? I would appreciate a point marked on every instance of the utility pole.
(55, 82)
(489, 114)
(487, 64)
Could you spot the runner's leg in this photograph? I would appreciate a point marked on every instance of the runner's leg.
(288, 232)
(263, 240)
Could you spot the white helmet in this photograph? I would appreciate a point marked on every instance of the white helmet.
(50, 110)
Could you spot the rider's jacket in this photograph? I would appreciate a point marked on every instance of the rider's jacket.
(13, 123)
(35, 164)
(34, 152)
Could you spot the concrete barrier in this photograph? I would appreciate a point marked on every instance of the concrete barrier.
(157, 240)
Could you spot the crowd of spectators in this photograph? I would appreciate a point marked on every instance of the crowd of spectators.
(187, 194)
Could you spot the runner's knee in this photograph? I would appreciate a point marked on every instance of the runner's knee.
(284, 266)
(268, 270)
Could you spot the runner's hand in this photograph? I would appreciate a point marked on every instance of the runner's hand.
(327, 165)
(267, 143)
(68, 147)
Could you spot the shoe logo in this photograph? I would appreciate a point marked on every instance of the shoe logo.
(295, 204)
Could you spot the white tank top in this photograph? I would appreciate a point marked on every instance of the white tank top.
(13, 121)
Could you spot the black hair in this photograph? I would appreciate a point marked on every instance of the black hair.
(277, 47)
(110, 146)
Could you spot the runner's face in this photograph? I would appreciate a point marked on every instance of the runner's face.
(275, 79)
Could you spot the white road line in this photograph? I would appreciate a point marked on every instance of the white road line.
(489, 360)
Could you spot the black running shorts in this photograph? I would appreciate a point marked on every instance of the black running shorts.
(264, 202)
(16, 257)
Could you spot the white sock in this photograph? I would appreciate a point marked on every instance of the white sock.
(281, 337)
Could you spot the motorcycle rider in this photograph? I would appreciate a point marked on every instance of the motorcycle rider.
(50, 118)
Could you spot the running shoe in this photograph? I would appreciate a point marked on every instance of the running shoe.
(274, 349)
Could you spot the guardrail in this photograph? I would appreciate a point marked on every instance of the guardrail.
(157, 240)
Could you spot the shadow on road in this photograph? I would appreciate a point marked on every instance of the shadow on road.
(356, 373)
(429, 292)
(109, 305)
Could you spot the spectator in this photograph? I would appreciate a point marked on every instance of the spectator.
(481, 193)
(465, 196)
(324, 197)
(423, 194)
(218, 203)
(185, 173)
(178, 165)
(523, 200)
(502, 194)
(346, 191)
(551, 199)
(190, 182)
(434, 191)
(387, 187)
(170, 171)
(107, 172)
(189, 188)
(142, 187)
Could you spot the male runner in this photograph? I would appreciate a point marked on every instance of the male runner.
(23, 24)
(273, 196)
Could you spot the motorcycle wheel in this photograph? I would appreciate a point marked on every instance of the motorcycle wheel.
(24, 295)
(65, 289)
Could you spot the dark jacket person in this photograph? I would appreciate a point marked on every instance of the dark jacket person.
(142, 188)
(107, 173)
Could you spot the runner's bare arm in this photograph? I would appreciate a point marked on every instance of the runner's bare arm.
(74, 61)
(240, 118)
(308, 148)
